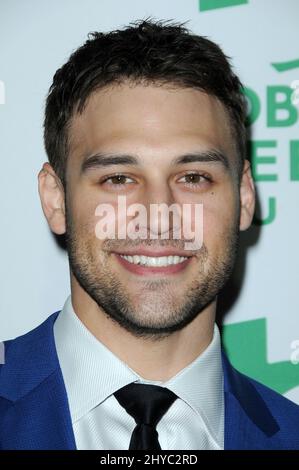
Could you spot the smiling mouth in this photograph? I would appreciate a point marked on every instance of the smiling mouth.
(153, 265)
(154, 261)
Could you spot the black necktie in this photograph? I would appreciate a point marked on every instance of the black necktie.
(147, 404)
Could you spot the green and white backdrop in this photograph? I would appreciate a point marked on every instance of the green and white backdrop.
(261, 321)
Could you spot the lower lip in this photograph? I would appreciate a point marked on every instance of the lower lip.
(144, 270)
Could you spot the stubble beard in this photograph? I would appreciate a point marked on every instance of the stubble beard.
(157, 307)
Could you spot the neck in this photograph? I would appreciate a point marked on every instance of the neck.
(151, 359)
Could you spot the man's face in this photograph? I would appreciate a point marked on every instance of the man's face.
(155, 125)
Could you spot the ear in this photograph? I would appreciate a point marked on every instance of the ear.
(247, 197)
(52, 198)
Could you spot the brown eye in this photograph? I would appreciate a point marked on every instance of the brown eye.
(195, 179)
(117, 180)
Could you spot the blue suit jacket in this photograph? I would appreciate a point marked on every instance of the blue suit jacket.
(34, 410)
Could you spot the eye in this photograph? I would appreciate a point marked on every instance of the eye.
(117, 180)
(195, 179)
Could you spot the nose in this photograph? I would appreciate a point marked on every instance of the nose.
(163, 212)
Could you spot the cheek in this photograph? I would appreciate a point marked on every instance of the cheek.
(219, 219)
(83, 218)
(102, 214)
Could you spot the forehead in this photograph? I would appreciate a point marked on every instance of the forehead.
(149, 117)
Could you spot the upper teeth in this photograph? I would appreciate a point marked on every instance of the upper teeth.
(154, 260)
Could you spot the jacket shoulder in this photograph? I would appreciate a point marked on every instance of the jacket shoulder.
(284, 411)
(269, 415)
(28, 358)
(281, 406)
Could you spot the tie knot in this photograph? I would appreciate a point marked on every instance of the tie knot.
(146, 403)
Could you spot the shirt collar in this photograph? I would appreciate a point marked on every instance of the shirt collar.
(92, 372)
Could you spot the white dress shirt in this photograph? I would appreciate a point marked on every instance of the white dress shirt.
(92, 373)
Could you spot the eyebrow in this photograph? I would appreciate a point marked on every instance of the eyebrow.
(207, 156)
(101, 160)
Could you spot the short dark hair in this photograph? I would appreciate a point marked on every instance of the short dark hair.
(147, 51)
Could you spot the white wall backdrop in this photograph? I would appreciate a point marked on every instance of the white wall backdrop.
(36, 37)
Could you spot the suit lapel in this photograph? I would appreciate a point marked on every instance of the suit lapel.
(36, 413)
(248, 421)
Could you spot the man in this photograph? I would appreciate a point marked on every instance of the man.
(155, 115)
